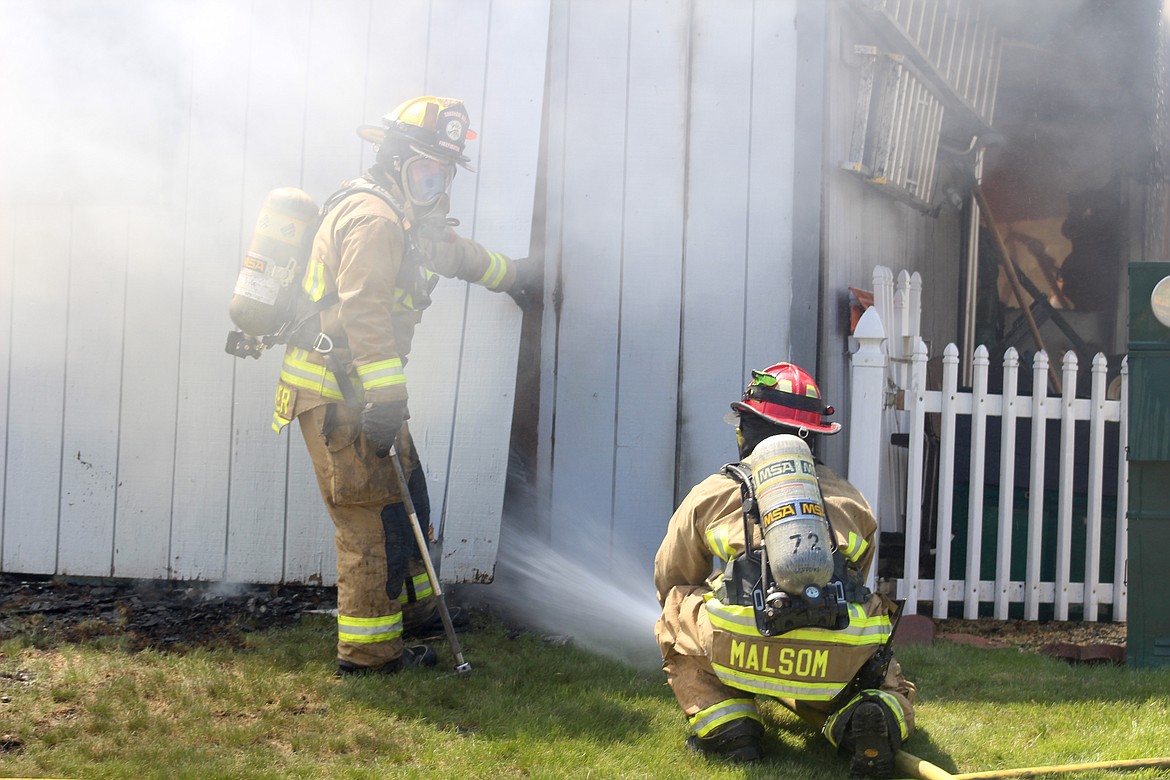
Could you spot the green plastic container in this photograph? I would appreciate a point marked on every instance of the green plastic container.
(1148, 637)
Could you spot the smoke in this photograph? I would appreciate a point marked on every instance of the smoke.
(599, 597)
(100, 99)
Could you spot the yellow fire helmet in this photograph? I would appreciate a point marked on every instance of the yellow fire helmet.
(437, 126)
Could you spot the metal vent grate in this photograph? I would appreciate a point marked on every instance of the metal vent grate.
(896, 130)
(956, 40)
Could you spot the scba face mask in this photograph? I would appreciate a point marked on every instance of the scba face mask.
(427, 182)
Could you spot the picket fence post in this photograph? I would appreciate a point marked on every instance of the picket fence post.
(946, 481)
(1007, 482)
(979, 401)
(1121, 553)
(1095, 492)
(916, 405)
(865, 416)
(1064, 518)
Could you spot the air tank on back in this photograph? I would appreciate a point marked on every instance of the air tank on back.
(792, 513)
(264, 295)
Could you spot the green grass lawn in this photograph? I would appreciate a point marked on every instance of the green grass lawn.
(528, 709)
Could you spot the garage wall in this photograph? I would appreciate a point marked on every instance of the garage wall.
(138, 141)
(671, 131)
(680, 209)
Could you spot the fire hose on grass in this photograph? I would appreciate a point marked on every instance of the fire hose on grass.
(920, 769)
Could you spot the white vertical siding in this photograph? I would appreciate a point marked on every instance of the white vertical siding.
(651, 278)
(215, 154)
(670, 176)
(94, 325)
(145, 136)
(36, 392)
(715, 290)
(7, 263)
(149, 388)
(499, 203)
(589, 264)
(274, 147)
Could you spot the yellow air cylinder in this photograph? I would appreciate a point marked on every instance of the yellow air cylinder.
(264, 296)
(792, 513)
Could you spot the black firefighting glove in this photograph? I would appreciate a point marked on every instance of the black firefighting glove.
(381, 423)
(527, 289)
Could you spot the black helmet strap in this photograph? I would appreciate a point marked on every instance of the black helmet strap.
(791, 400)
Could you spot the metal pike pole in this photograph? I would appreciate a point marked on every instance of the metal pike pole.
(461, 666)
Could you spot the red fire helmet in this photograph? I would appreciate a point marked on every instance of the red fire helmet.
(786, 394)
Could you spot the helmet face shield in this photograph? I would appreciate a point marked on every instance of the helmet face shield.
(427, 179)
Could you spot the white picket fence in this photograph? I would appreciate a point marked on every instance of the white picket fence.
(889, 393)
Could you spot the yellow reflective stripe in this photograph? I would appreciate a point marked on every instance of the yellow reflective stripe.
(888, 699)
(364, 631)
(422, 588)
(895, 706)
(314, 281)
(855, 547)
(497, 269)
(381, 373)
(299, 372)
(402, 299)
(718, 542)
(775, 686)
(278, 422)
(862, 630)
(707, 720)
(831, 722)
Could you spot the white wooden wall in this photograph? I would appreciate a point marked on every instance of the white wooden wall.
(680, 238)
(671, 165)
(137, 141)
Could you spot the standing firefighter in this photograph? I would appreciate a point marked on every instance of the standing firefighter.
(787, 613)
(376, 257)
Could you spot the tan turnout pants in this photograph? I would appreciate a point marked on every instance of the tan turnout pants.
(381, 579)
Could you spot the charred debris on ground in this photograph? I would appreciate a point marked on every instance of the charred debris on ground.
(149, 614)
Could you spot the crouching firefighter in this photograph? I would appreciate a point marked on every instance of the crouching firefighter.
(382, 242)
(786, 613)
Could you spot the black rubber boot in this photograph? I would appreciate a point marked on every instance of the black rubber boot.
(433, 626)
(738, 741)
(418, 655)
(872, 741)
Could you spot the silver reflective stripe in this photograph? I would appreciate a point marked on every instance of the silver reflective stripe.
(382, 373)
(774, 687)
(299, 372)
(705, 720)
(862, 630)
(721, 614)
(360, 630)
(496, 270)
